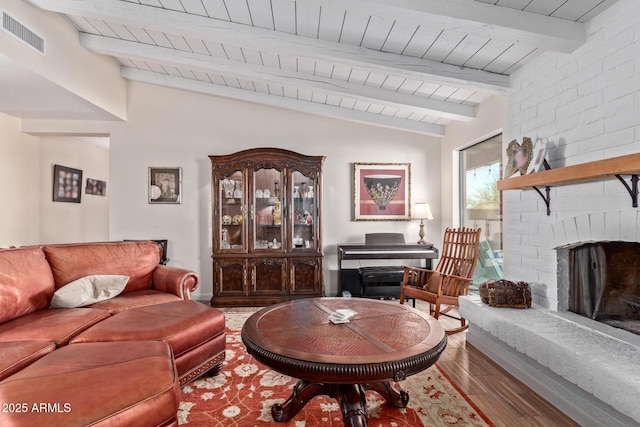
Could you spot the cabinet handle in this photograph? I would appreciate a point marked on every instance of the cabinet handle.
(253, 278)
(244, 277)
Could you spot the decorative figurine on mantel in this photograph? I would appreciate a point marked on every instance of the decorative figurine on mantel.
(538, 161)
(519, 157)
(526, 158)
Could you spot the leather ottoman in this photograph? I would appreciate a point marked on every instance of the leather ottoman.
(98, 384)
(195, 332)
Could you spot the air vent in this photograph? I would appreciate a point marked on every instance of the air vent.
(23, 33)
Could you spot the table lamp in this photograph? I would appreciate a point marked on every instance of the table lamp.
(422, 211)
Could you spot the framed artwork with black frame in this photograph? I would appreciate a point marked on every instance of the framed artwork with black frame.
(67, 184)
(165, 185)
(96, 187)
(382, 191)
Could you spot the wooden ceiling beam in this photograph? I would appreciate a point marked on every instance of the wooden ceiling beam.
(282, 102)
(205, 63)
(214, 30)
(475, 18)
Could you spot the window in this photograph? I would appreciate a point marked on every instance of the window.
(481, 204)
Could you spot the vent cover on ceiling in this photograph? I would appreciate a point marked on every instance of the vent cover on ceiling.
(23, 33)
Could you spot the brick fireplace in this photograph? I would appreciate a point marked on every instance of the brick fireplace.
(619, 233)
(587, 367)
(584, 366)
(586, 104)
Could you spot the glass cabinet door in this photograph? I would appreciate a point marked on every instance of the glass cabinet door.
(304, 211)
(232, 212)
(268, 210)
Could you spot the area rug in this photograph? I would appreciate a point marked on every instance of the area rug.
(242, 394)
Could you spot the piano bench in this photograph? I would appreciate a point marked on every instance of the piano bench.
(381, 282)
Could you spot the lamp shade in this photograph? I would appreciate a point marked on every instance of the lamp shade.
(422, 210)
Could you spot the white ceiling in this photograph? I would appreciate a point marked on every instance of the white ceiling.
(27, 95)
(410, 64)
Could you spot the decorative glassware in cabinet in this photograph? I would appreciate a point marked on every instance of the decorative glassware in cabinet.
(267, 209)
(304, 212)
(231, 212)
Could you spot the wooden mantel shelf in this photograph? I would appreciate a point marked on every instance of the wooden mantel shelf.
(592, 171)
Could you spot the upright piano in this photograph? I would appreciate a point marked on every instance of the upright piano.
(349, 279)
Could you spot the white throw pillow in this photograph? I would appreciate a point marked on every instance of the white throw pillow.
(88, 290)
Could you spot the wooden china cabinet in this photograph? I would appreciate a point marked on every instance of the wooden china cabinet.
(267, 227)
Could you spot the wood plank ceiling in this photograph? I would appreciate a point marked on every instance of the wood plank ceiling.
(415, 65)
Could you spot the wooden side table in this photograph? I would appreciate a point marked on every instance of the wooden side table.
(383, 342)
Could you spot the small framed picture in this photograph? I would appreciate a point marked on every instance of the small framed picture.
(381, 192)
(96, 187)
(165, 185)
(67, 184)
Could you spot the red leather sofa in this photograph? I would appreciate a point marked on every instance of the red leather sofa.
(116, 362)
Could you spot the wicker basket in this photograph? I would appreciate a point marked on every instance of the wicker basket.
(503, 293)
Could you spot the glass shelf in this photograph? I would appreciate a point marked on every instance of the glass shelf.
(269, 211)
(231, 212)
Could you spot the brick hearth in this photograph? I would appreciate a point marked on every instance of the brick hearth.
(578, 363)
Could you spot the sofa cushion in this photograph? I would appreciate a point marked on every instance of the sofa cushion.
(57, 325)
(137, 260)
(26, 282)
(135, 299)
(114, 384)
(88, 290)
(17, 355)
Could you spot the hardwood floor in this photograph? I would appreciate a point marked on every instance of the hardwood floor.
(502, 398)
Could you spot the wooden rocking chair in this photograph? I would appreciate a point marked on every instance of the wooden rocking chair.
(450, 279)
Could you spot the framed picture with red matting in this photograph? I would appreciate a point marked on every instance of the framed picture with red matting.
(382, 191)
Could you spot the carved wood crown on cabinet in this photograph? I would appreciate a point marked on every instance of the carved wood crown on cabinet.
(267, 227)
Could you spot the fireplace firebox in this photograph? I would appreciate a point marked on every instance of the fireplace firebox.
(604, 283)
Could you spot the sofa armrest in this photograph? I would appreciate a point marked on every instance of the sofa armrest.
(177, 281)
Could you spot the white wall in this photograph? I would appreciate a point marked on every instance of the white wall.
(588, 104)
(20, 178)
(168, 127)
(491, 119)
(62, 222)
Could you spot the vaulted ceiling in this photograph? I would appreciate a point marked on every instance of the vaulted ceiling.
(409, 64)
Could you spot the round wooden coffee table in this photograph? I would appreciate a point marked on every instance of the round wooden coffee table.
(383, 342)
